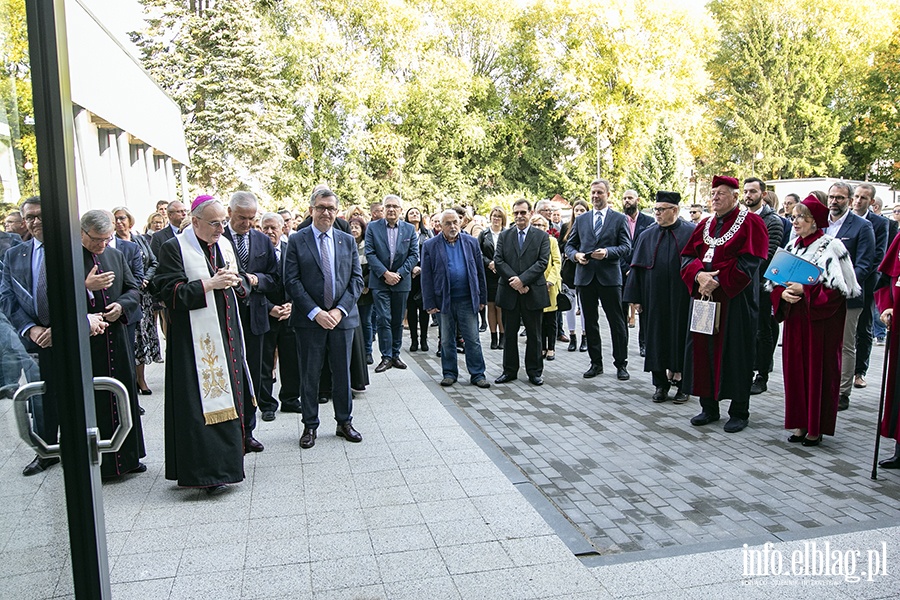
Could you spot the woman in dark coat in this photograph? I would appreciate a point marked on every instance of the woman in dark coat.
(415, 315)
(487, 240)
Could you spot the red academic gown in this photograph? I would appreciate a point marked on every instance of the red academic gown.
(811, 357)
(889, 297)
(722, 364)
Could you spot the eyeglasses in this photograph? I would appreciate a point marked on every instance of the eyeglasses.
(661, 209)
(394, 206)
(33, 218)
(837, 197)
(121, 218)
(216, 224)
(328, 209)
(794, 218)
(104, 240)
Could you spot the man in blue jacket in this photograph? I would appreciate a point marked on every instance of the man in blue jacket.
(454, 287)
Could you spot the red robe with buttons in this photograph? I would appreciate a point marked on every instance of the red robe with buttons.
(888, 296)
(197, 454)
(112, 355)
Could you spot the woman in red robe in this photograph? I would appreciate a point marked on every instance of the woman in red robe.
(888, 300)
(813, 318)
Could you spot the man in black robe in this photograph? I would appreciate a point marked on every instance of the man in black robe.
(654, 286)
(204, 444)
(114, 294)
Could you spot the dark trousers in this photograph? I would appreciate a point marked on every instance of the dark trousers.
(314, 345)
(766, 337)
(418, 321)
(740, 407)
(534, 364)
(389, 309)
(548, 323)
(280, 337)
(864, 334)
(253, 345)
(610, 297)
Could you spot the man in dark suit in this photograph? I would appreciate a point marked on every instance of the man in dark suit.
(256, 256)
(863, 198)
(858, 236)
(597, 242)
(392, 250)
(281, 336)
(176, 212)
(323, 278)
(15, 225)
(520, 258)
(637, 222)
(453, 287)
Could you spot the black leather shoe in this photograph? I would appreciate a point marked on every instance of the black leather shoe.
(890, 463)
(39, 465)
(759, 386)
(844, 402)
(324, 399)
(811, 441)
(660, 395)
(268, 415)
(483, 328)
(141, 468)
(147, 392)
(583, 346)
(593, 371)
(425, 347)
(622, 374)
(482, 383)
(505, 378)
(290, 408)
(680, 398)
(414, 346)
(347, 432)
(384, 365)
(308, 439)
(447, 381)
(369, 359)
(735, 424)
(573, 343)
(796, 439)
(397, 363)
(216, 490)
(141, 410)
(704, 419)
(536, 380)
(562, 338)
(251, 444)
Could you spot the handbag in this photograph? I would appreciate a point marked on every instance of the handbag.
(705, 316)
(564, 299)
(567, 272)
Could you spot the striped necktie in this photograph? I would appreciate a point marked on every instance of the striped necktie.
(325, 253)
(598, 225)
(41, 301)
(243, 253)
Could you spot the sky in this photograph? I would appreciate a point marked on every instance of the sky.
(118, 16)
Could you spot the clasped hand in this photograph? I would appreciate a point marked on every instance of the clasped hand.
(329, 319)
(792, 293)
(706, 282)
(223, 279)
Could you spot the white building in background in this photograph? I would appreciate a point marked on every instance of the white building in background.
(9, 182)
(802, 187)
(129, 137)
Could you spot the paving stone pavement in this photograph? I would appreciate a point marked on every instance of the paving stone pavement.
(637, 477)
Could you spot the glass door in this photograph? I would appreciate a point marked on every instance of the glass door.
(52, 534)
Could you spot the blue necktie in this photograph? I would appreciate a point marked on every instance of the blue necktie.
(598, 225)
(325, 253)
(521, 238)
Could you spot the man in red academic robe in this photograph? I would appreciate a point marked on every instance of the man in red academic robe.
(720, 261)
(888, 300)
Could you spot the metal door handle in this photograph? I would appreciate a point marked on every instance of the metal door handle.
(45, 450)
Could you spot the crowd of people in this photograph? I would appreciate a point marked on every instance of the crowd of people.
(241, 295)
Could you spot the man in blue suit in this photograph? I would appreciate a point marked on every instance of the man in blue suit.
(256, 256)
(597, 242)
(323, 278)
(392, 250)
(858, 236)
(454, 287)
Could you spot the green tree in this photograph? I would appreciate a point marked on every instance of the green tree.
(658, 170)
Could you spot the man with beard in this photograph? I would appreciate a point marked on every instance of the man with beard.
(637, 222)
(658, 294)
(720, 261)
(767, 330)
(858, 236)
(114, 293)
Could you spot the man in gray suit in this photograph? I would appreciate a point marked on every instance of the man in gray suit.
(323, 278)
(176, 211)
(598, 239)
(392, 249)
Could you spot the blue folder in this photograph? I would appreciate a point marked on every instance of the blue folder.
(789, 268)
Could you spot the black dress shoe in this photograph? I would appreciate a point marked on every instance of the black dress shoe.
(622, 374)
(583, 346)
(447, 381)
(324, 399)
(347, 432)
(290, 408)
(536, 380)
(369, 359)
(890, 463)
(482, 383)
(844, 402)
(680, 398)
(251, 444)
(39, 465)
(216, 490)
(308, 439)
(593, 371)
(268, 415)
(505, 378)
(414, 347)
(424, 346)
(573, 343)
(796, 439)
(812, 441)
(147, 392)
(735, 424)
(704, 419)
(397, 363)
(384, 365)
(660, 395)
(759, 386)
(141, 468)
